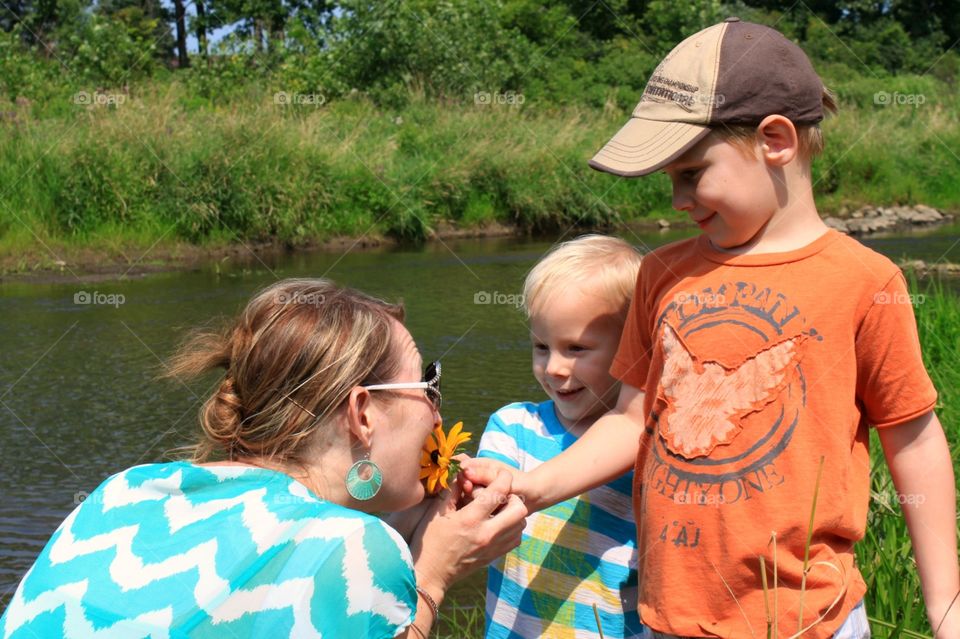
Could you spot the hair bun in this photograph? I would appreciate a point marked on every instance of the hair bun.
(223, 414)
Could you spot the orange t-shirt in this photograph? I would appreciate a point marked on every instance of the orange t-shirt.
(755, 367)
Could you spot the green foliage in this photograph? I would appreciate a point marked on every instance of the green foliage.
(22, 74)
(222, 80)
(670, 22)
(882, 47)
(545, 24)
(557, 52)
(146, 23)
(614, 80)
(444, 49)
(110, 52)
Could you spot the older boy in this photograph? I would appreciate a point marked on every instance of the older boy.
(581, 552)
(754, 360)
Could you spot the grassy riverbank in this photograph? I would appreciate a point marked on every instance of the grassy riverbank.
(163, 168)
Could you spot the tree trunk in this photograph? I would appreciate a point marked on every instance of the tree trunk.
(201, 27)
(182, 60)
(258, 36)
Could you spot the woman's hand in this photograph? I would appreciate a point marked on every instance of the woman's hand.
(450, 544)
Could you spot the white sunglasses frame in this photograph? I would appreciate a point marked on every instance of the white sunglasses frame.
(415, 385)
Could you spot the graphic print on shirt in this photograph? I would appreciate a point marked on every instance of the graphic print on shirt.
(730, 397)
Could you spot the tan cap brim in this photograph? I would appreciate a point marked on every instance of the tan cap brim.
(644, 146)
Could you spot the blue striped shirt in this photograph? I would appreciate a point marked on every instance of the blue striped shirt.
(574, 555)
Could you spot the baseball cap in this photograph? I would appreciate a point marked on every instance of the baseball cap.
(734, 73)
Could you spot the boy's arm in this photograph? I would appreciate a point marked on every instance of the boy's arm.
(607, 450)
(919, 460)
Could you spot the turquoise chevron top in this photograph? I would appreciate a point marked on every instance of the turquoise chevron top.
(180, 550)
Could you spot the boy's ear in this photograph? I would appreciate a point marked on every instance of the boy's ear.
(778, 140)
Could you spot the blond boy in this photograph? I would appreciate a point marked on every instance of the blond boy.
(580, 552)
(752, 354)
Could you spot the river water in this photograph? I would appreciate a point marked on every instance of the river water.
(79, 402)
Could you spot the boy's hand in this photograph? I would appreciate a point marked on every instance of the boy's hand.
(477, 474)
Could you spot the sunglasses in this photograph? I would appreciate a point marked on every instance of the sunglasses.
(430, 384)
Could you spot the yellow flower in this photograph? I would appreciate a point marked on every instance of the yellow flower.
(437, 465)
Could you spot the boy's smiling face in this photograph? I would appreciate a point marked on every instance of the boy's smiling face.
(575, 335)
(728, 191)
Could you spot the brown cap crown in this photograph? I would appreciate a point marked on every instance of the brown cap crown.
(730, 73)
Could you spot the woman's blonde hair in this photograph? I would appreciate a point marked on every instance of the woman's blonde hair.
(290, 360)
(608, 264)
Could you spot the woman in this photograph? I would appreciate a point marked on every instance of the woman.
(317, 423)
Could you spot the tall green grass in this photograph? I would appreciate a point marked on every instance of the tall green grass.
(463, 620)
(172, 166)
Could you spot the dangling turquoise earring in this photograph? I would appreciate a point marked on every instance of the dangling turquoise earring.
(364, 489)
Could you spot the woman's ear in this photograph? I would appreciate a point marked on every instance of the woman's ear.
(360, 415)
(778, 140)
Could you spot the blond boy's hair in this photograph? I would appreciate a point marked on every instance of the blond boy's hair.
(608, 264)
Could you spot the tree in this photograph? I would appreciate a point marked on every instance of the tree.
(200, 26)
(145, 20)
(40, 19)
(263, 22)
(183, 61)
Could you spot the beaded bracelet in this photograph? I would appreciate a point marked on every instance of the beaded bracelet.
(430, 602)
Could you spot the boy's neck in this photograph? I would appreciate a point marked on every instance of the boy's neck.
(792, 226)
